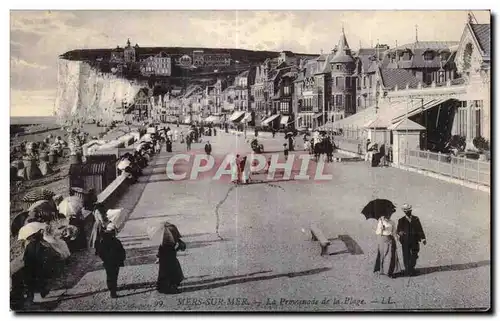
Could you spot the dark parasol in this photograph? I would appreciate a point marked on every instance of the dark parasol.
(377, 208)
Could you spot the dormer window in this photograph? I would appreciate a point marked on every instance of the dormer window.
(406, 55)
(428, 55)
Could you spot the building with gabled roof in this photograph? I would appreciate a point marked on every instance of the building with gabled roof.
(456, 102)
(343, 84)
(427, 60)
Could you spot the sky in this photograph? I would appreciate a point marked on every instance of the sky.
(37, 38)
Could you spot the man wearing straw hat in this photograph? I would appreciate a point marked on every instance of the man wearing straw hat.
(410, 233)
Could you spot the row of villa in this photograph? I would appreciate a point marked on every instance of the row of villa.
(442, 86)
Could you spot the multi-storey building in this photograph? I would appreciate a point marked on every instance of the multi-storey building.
(158, 65)
(367, 63)
(283, 97)
(192, 103)
(117, 55)
(228, 99)
(129, 52)
(219, 88)
(428, 61)
(311, 88)
(139, 110)
(461, 105)
(198, 58)
(243, 90)
(217, 59)
(258, 93)
(343, 84)
(174, 110)
(275, 87)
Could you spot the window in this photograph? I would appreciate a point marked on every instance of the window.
(428, 55)
(338, 101)
(286, 90)
(467, 56)
(348, 103)
(428, 78)
(462, 119)
(338, 66)
(339, 82)
(284, 107)
(406, 55)
(348, 82)
(476, 117)
(364, 81)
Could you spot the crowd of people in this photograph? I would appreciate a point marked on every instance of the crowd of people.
(51, 228)
(321, 143)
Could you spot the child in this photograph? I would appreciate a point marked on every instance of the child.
(285, 151)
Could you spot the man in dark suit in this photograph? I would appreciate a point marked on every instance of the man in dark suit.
(410, 233)
(208, 148)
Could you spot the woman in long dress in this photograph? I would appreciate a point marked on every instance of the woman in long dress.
(387, 257)
(244, 170)
(39, 260)
(235, 170)
(170, 272)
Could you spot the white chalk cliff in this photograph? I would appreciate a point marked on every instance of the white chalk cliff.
(85, 93)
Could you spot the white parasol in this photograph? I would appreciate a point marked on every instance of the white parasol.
(30, 229)
(124, 163)
(157, 233)
(70, 206)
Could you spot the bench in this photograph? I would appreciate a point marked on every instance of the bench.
(317, 235)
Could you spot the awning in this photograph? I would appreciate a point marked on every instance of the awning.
(212, 119)
(247, 118)
(388, 113)
(416, 107)
(318, 115)
(237, 114)
(270, 119)
(284, 120)
(406, 124)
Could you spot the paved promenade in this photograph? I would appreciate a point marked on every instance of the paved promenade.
(264, 259)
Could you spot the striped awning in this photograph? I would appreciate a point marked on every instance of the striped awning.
(212, 119)
(284, 120)
(236, 115)
(247, 118)
(270, 119)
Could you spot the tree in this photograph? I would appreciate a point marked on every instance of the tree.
(481, 143)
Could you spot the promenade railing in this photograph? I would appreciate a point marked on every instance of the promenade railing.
(470, 170)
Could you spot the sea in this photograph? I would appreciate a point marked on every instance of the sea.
(31, 120)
